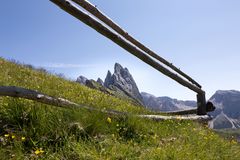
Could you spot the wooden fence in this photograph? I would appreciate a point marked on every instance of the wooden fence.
(105, 26)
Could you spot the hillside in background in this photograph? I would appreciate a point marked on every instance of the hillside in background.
(31, 130)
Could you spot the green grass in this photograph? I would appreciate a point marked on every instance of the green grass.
(18, 75)
(230, 134)
(31, 130)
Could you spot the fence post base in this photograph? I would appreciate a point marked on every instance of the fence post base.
(201, 104)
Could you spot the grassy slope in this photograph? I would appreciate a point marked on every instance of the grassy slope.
(229, 133)
(27, 127)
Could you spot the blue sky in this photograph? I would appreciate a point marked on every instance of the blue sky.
(201, 37)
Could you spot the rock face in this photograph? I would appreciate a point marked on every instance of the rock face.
(166, 103)
(82, 80)
(227, 113)
(120, 84)
(96, 85)
(222, 121)
(108, 80)
(123, 81)
(100, 81)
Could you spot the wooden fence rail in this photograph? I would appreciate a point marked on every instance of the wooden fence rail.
(92, 22)
(101, 16)
(19, 92)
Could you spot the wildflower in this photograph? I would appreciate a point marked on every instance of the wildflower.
(178, 117)
(23, 138)
(13, 155)
(6, 135)
(233, 142)
(155, 136)
(39, 151)
(109, 120)
(13, 136)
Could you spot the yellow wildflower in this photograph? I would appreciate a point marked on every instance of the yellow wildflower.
(178, 117)
(6, 135)
(39, 151)
(23, 138)
(13, 136)
(233, 141)
(109, 120)
(155, 136)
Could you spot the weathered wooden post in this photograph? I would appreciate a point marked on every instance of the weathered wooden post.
(201, 104)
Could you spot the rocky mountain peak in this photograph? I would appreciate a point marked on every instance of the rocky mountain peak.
(227, 103)
(123, 81)
(108, 79)
(117, 67)
(224, 92)
(100, 81)
(122, 72)
(82, 80)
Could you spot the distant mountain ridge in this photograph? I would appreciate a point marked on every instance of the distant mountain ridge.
(166, 103)
(122, 84)
(227, 113)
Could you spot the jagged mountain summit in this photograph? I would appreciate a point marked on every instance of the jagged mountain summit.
(166, 103)
(120, 84)
(100, 81)
(227, 113)
(123, 81)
